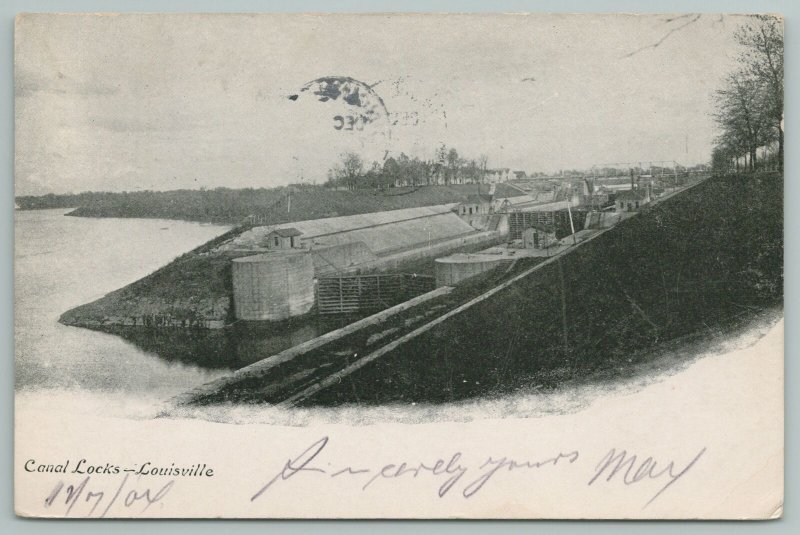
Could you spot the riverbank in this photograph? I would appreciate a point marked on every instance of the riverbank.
(191, 291)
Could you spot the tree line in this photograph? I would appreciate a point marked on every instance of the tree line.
(218, 205)
(447, 167)
(265, 206)
(749, 108)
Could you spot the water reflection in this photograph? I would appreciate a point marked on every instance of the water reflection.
(61, 262)
(231, 348)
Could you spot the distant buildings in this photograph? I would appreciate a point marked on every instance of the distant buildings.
(475, 204)
(500, 175)
(440, 175)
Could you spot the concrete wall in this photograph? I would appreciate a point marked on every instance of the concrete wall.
(395, 261)
(451, 272)
(338, 258)
(477, 221)
(601, 220)
(499, 223)
(273, 286)
(386, 238)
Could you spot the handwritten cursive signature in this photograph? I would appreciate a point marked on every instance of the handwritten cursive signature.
(453, 471)
(93, 496)
(634, 471)
(451, 468)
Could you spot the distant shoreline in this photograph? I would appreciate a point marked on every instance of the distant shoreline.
(266, 206)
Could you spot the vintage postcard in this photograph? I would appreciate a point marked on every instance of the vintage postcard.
(399, 266)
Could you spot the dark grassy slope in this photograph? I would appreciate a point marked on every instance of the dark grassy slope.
(699, 264)
(223, 205)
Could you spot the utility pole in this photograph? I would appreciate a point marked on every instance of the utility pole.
(687, 148)
(571, 226)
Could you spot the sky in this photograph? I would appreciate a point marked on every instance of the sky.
(160, 102)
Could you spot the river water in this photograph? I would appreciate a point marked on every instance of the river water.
(62, 262)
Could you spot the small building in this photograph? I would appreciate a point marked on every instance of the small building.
(539, 236)
(283, 238)
(594, 196)
(476, 204)
(632, 200)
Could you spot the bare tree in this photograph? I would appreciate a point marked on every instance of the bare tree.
(453, 162)
(749, 109)
(483, 164)
(762, 58)
(350, 171)
(741, 114)
(391, 171)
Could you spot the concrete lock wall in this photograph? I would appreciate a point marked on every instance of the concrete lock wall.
(386, 238)
(396, 260)
(455, 269)
(336, 258)
(273, 286)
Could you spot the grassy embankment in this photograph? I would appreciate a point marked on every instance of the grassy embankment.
(697, 267)
(196, 286)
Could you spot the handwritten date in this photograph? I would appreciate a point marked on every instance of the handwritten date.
(88, 497)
